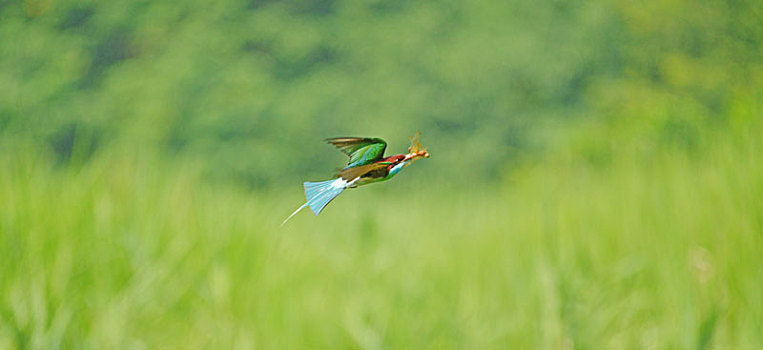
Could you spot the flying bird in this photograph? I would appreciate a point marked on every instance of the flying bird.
(367, 165)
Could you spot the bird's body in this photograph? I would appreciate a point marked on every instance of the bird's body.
(367, 165)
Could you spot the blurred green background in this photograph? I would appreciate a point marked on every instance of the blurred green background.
(595, 181)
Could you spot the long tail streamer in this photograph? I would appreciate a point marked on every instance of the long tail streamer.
(319, 195)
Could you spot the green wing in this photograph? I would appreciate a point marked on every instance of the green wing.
(362, 150)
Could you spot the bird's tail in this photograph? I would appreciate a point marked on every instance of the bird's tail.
(320, 194)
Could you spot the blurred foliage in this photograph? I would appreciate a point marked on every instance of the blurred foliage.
(642, 251)
(595, 179)
(250, 88)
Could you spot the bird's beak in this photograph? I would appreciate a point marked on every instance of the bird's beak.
(414, 155)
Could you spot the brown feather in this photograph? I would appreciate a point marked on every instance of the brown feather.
(374, 170)
(343, 143)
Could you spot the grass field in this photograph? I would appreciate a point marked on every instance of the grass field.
(596, 179)
(649, 252)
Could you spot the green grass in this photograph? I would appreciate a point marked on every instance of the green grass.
(662, 251)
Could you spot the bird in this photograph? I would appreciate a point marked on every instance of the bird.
(367, 165)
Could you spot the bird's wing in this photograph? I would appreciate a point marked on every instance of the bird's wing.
(375, 170)
(362, 150)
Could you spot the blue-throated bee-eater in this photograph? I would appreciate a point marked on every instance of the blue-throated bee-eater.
(367, 165)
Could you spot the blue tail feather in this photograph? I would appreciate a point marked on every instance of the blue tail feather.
(320, 194)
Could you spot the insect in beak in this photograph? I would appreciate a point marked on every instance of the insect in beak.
(416, 151)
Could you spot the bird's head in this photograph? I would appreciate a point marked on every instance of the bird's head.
(395, 159)
(396, 163)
